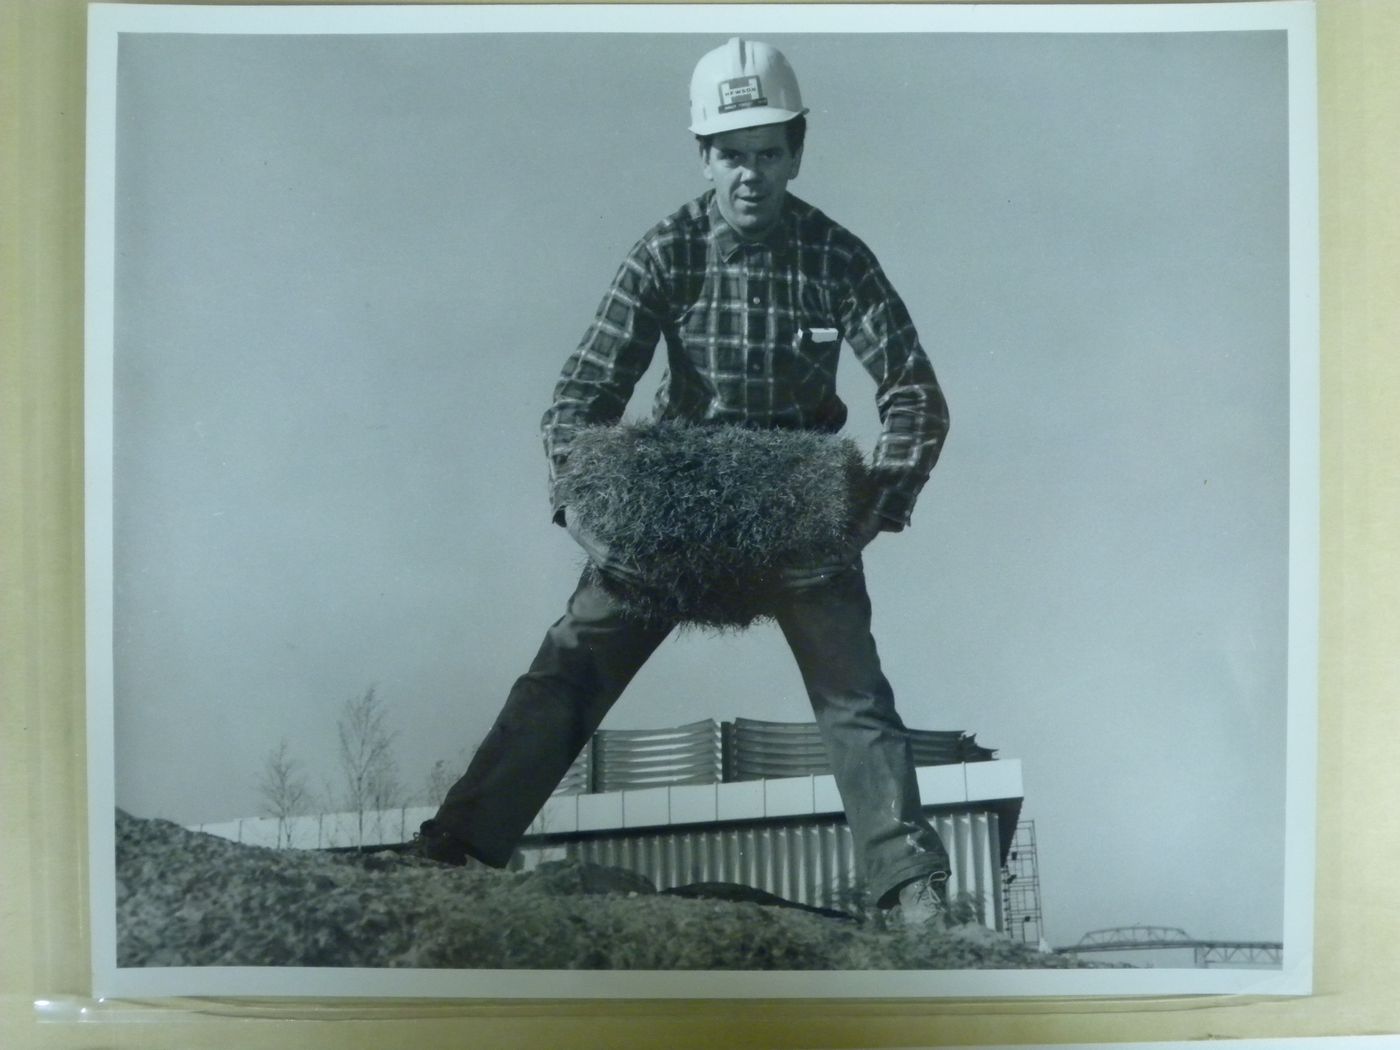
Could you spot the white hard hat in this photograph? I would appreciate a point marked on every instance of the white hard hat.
(742, 85)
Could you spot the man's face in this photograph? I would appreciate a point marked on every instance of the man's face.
(750, 169)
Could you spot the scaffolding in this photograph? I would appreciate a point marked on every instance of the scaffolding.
(1020, 887)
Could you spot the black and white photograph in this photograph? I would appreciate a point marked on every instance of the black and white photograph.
(702, 501)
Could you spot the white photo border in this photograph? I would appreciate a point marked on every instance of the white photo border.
(1297, 19)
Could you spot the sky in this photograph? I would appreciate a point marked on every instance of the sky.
(349, 269)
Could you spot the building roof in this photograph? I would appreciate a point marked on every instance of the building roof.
(709, 752)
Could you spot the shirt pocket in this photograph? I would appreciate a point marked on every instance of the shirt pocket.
(816, 348)
(816, 337)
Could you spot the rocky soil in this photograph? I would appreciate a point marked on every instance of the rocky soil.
(189, 899)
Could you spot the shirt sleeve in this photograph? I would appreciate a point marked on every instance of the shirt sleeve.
(599, 376)
(912, 408)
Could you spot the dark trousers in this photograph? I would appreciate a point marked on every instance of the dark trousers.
(592, 652)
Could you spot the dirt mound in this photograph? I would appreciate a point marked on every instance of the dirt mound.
(189, 899)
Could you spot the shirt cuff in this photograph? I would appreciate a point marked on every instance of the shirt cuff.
(893, 509)
(894, 502)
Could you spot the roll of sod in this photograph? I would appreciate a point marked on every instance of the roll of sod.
(713, 517)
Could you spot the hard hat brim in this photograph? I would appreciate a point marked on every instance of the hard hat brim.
(756, 117)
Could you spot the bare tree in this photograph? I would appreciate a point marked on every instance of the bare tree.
(284, 793)
(443, 774)
(436, 784)
(369, 771)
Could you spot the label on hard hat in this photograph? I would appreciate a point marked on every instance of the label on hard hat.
(740, 93)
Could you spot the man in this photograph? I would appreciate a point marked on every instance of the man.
(753, 292)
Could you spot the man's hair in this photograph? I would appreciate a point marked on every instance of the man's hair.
(796, 130)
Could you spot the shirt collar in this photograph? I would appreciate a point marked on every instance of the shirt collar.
(727, 242)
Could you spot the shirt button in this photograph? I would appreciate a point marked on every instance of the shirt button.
(756, 300)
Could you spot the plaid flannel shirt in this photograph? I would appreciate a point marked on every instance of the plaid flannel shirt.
(753, 332)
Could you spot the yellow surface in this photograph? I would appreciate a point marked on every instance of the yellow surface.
(43, 952)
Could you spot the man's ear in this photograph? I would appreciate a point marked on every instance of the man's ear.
(705, 162)
(796, 164)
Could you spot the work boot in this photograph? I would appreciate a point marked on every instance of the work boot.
(435, 844)
(923, 903)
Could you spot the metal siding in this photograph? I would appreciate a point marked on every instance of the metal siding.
(757, 749)
(807, 861)
(625, 758)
